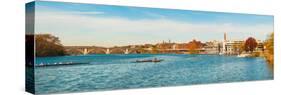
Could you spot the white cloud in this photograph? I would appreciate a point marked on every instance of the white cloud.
(60, 23)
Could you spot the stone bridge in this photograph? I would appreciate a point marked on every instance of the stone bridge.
(84, 50)
(77, 50)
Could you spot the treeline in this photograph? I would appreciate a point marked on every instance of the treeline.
(48, 45)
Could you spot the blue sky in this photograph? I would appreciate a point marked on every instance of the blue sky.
(103, 25)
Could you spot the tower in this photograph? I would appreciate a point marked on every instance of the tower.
(224, 44)
(225, 36)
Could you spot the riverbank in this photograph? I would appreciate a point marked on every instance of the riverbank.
(268, 57)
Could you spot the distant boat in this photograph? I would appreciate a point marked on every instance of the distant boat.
(153, 60)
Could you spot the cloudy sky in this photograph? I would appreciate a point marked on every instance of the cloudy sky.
(103, 25)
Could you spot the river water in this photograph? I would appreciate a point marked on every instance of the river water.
(109, 72)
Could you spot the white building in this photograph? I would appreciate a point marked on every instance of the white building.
(213, 47)
(230, 47)
(233, 47)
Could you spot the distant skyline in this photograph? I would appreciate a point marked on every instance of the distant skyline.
(79, 24)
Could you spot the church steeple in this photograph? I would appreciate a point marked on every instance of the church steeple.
(224, 36)
(224, 44)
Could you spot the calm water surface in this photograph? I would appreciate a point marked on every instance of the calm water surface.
(108, 72)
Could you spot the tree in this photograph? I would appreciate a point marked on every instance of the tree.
(269, 44)
(241, 47)
(269, 48)
(250, 44)
(193, 46)
(48, 45)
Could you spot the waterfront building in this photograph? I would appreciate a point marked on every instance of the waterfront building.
(165, 45)
(212, 47)
(179, 46)
(260, 46)
(231, 47)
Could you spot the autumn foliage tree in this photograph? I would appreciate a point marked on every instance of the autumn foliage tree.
(269, 44)
(193, 46)
(250, 44)
(48, 45)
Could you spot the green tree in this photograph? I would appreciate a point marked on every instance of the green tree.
(250, 44)
(48, 45)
